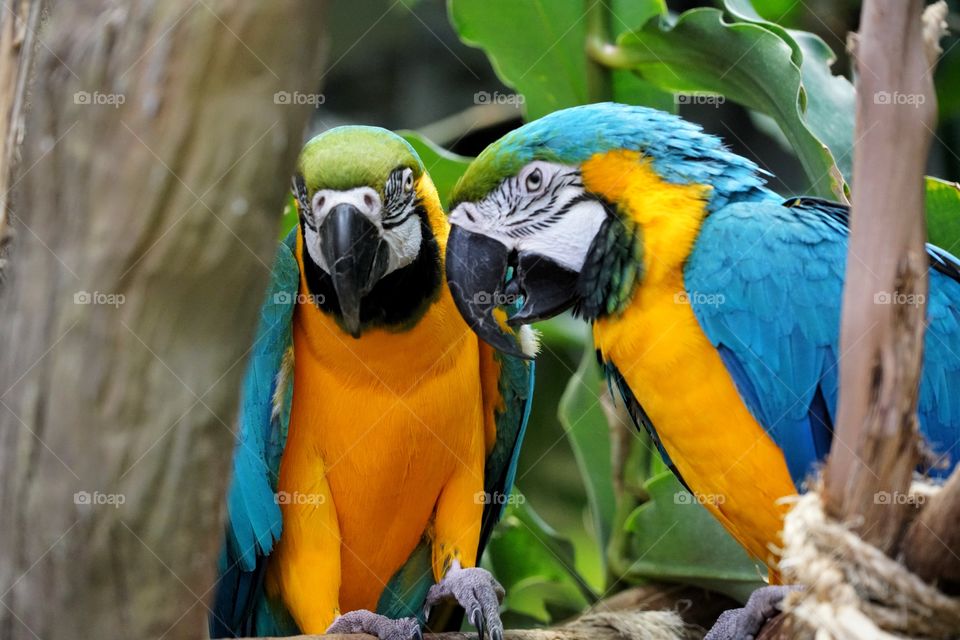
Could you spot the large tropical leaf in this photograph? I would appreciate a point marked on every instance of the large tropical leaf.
(943, 214)
(289, 217)
(538, 48)
(534, 46)
(746, 62)
(829, 98)
(583, 419)
(536, 566)
(676, 539)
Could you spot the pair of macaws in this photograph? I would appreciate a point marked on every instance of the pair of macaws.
(715, 308)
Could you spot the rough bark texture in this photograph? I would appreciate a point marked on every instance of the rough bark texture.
(876, 446)
(931, 546)
(19, 22)
(145, 217)
(876, 442)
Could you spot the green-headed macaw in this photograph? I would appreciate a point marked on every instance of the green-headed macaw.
(378, 437)
(715, 304)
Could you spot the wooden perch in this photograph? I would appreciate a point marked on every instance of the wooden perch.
(868, 475)
(875, 447)
(651, 612)
(510, 634)
(517, 634)
(931, 547)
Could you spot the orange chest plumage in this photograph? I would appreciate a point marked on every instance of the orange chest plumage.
(672, 368)
(384, 421)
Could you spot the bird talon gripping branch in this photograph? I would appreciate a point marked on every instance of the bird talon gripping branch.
(477, 591)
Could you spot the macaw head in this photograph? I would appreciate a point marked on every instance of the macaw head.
(371, 228)
(552, 215)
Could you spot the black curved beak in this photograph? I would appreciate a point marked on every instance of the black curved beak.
(356, 256)
(477, 267)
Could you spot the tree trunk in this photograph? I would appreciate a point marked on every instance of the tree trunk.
(875, 445)
(18, 48)
(155, 161)
(931, 546)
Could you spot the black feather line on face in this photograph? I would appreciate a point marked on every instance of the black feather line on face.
(517, 231)
(399, 299)
(397, 202)
(612, 252)
(548, 197)
(302, 196)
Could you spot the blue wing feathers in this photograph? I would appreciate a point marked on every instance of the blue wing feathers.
(777, 324)
(253, 515)
(516, 390)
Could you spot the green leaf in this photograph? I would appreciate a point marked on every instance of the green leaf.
(539, 48)
(829, 99)
(943, 214)
(289, 219)
(534, 46)
(627, 14)
(780, 11)
(585, 423)
(748, 63)
(444, 167)
(629, 88)
(675, 538)
(947, 77)
(564, 332)
(544, 599)
(525, 554)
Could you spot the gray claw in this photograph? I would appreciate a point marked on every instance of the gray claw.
(384, 628)
(745, 623)
(478, 593)
(476, 618)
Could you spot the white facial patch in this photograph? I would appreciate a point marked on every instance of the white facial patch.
(401, 232)
(404, 241)
(543, 209)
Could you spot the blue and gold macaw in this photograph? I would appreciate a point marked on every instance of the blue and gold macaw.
(378, 437)
(715, 303)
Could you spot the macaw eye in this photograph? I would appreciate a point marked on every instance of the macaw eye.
(534, 180)
(407, 180)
